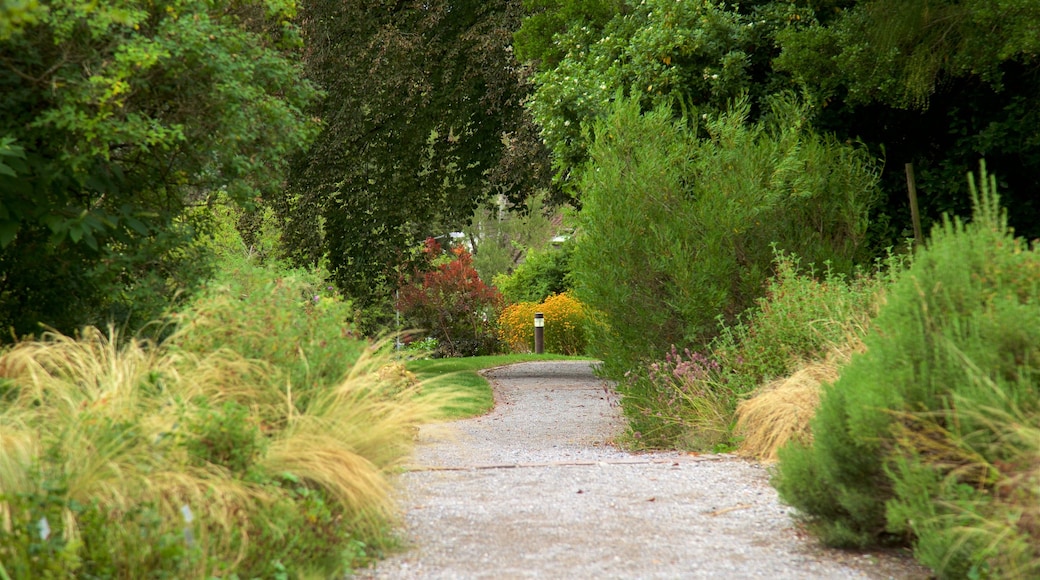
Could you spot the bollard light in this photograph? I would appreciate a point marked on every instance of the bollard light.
(539, 333)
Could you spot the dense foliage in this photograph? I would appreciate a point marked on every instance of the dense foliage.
(423, 121)
(926, 436)
(113, 119)
(690, 223)
(936, 83)
(446, 299)
(565, 331)
(257, 441)
(542, 274)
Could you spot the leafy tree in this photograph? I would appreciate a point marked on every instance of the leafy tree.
(939, 83)
(693, 55)
(501, 237)
(423, 121)
(114, 119)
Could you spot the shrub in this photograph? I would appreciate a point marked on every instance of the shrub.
(917, 439)
(289, 318)
(803, 316)
(452, 303)
(541, 275)
(800, 319)
(679, 401)
(677, 230)
(565, 325)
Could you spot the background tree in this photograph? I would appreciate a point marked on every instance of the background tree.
(692, 55)
(423, 121)
(114, 119)
(937, 83)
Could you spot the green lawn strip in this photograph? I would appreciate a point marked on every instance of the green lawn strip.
(460, 374)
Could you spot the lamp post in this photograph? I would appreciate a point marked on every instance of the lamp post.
(539, 333)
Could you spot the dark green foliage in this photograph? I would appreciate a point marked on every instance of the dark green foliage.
(891, 453)
(423, 121)
(678, 231)
(544, 19)
(114, 119)
(939, 83)
(541, 275)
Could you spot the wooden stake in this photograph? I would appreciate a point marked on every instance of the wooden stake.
(914, 214)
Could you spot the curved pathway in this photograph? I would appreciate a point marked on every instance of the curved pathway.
(535, 490)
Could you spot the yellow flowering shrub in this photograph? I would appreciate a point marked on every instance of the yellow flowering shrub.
(564, 325)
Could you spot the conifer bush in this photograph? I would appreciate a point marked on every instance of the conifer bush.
(678, 230)
(922, 439)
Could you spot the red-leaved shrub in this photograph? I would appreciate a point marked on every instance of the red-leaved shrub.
(450, 302)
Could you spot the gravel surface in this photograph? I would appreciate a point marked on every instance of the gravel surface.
(534, 489)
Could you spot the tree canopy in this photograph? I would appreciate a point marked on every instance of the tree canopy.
(937, 83)
(423, 120)
(113, 119)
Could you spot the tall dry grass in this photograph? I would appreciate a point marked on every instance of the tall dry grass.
(106, 422)
(782, 409)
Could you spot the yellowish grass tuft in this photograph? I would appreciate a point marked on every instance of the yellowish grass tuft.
(782, 409)
(106, 419)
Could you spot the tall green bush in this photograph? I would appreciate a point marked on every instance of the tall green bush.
(905, 445)
(542, 274)
(677, 228)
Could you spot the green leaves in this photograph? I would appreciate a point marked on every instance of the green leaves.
(423, 121)
(124, 114)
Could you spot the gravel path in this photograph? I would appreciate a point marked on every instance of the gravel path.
(535, 490)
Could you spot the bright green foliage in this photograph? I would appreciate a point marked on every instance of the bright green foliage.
(501, 237)
(686, 399)
(116, 117)
(802, 316)
(699, 54)
(15, 15)
(907, 434)
(285, 467)
(678, 231)
(291, 318)
(541, 275)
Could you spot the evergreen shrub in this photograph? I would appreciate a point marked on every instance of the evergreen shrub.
(677, 230)
(924, 436)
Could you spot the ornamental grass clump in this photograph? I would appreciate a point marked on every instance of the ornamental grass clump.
(123, 458)
(782, 409)
(928, 437)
